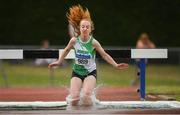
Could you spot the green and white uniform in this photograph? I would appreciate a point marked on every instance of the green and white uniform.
(84, 57)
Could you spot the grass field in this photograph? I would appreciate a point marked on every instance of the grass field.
(161, 79)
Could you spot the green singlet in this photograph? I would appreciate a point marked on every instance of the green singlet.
(84, 57)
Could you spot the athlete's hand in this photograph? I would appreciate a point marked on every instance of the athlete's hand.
(53, 64)
(122, 66)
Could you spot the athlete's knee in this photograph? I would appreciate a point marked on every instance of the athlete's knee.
(75, 95)
(75, 98)
(87, 100)
(87, 93)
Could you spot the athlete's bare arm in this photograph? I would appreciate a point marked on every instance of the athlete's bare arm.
(64, 53)
(107, 57)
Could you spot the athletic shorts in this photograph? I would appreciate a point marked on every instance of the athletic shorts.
(82, 77)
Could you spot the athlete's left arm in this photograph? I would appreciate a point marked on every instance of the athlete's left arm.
(107, 57)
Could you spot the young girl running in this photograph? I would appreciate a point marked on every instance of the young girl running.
(84, 72)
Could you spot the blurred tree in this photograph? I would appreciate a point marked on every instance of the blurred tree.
(26, 22)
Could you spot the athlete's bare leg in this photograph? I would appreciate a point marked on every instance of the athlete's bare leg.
(88, 87)
(75, 88)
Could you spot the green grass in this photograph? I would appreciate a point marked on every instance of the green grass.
(159, 78)
(28, 76)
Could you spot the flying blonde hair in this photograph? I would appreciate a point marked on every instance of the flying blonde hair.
(76, 14)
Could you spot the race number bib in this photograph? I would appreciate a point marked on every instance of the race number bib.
(82, 61)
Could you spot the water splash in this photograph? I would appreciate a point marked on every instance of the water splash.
(95, 105)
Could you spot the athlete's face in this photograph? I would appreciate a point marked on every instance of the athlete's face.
(85, 27)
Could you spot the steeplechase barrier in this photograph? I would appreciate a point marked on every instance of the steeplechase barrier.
(141, 54)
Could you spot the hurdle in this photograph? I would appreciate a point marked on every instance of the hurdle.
(141, 54)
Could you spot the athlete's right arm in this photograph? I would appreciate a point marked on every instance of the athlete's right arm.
(64, 53)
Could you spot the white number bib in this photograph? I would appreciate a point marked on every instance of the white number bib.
(82, 61)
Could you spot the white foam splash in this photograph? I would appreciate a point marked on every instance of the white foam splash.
(80, 103)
